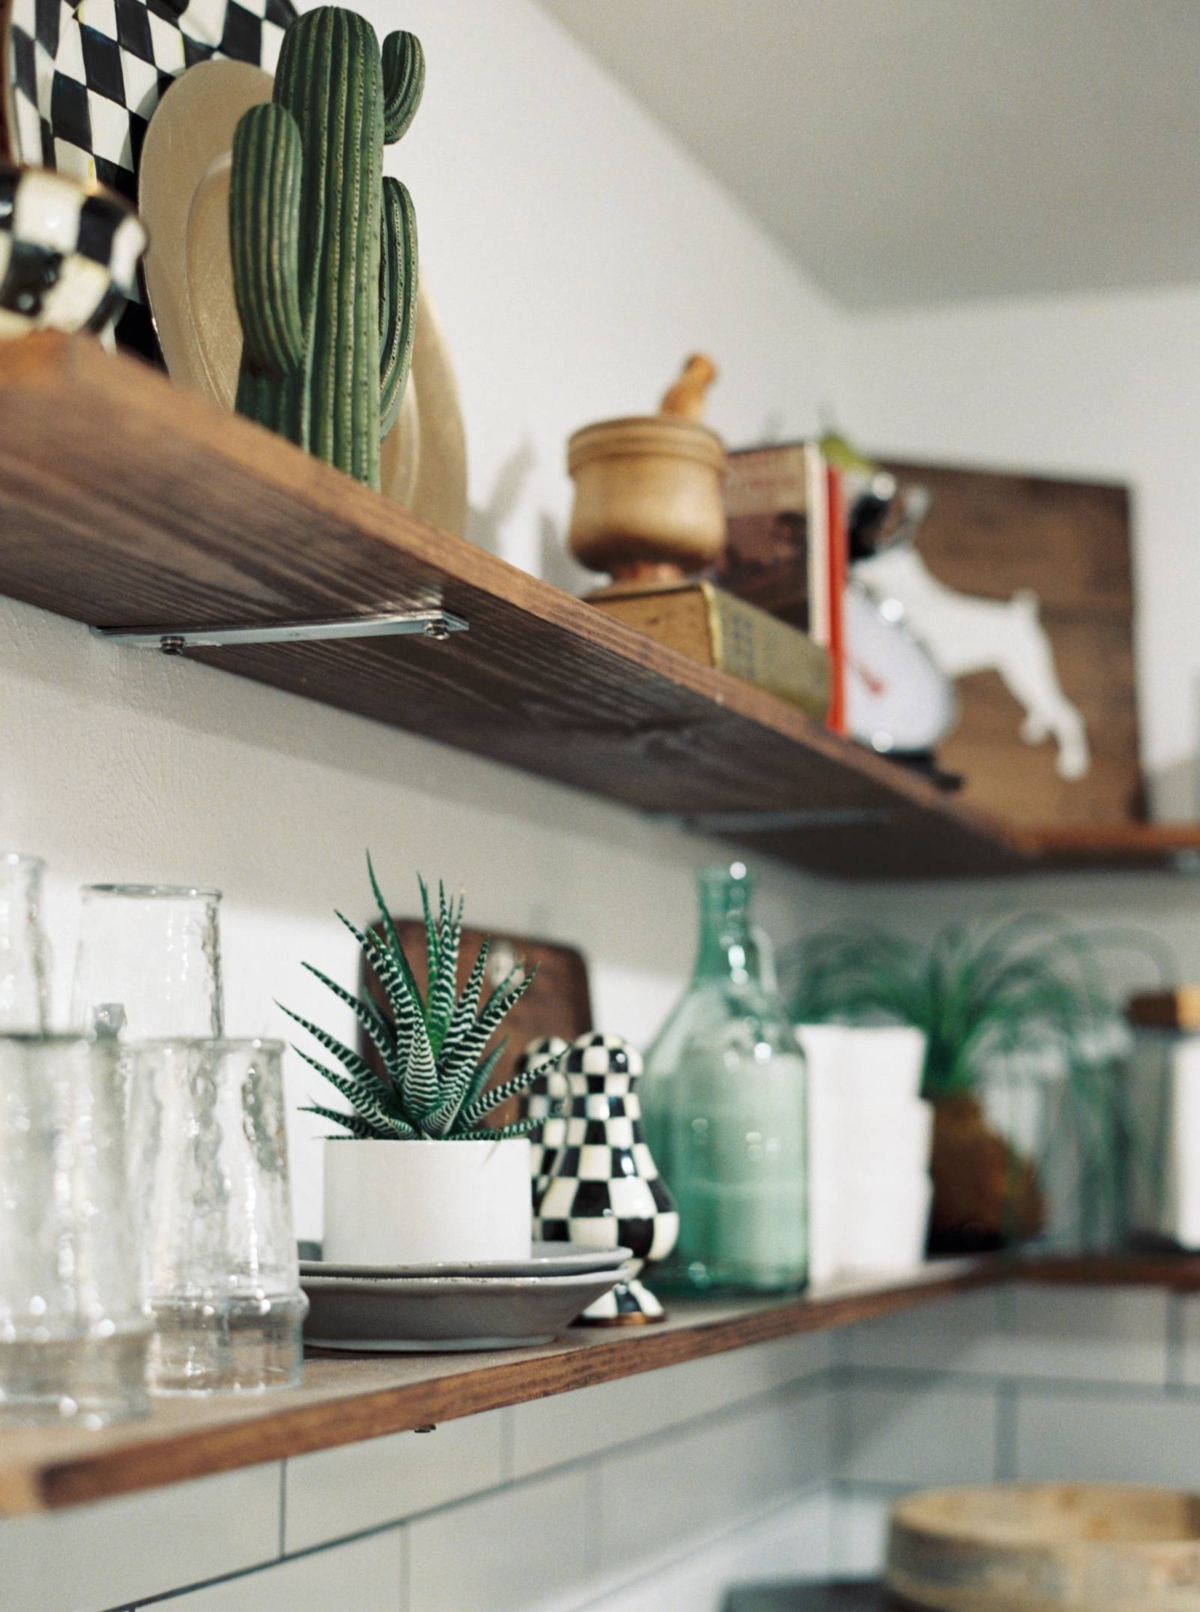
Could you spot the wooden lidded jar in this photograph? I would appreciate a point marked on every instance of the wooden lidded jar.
(648, 505)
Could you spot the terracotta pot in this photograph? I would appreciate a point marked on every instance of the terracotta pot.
(426, 1203)
(648, 504)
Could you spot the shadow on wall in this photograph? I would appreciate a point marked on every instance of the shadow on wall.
(486, 523)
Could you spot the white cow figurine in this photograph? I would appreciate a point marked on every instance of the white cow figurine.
(964, 634)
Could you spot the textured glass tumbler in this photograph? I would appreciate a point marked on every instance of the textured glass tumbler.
(73, 1331)
(213, 1215)
(23, 950)
(149, 961)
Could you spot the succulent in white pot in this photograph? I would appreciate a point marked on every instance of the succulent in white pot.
(418, 1177)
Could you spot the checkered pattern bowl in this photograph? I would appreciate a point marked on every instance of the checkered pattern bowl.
(68, 252)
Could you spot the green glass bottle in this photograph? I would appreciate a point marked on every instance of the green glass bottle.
(724, 1100)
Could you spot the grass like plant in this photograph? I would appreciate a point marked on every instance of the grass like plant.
(997, 999)
(1026, 985)
(433, 1047)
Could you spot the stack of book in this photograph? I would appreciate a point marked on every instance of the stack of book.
(770, 611)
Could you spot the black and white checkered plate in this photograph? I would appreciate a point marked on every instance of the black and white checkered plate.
(86, 75)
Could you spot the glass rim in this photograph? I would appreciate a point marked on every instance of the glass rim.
(218, 1043)
(56, 1038)
(153, 892)
(21, 859)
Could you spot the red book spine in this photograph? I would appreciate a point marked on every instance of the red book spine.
(839, 559)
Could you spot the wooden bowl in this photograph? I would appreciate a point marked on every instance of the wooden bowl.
(648, 500)
(1043, 1547)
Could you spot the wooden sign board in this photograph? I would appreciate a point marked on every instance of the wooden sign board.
(991, 535)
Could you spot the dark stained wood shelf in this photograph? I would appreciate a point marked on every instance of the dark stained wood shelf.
(347, 1398)
(1144, 846)
(127, 502)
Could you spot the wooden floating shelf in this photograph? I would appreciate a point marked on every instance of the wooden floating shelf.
(347, 1398)
(127, 502)
(1116, 845)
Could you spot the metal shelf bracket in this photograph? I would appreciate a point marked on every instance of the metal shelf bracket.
(779, 822)
(435, 624)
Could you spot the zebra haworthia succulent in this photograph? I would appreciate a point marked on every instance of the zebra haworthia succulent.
(324, 247)
(433, 1048)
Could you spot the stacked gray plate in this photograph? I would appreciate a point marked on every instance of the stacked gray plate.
(435, 1308)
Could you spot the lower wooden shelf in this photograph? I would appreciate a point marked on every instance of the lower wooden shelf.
(1145, 846)
(347, 1398)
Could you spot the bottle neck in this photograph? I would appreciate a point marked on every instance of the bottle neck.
(727, 950)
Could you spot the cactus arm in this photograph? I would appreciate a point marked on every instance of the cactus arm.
(397, 299)
(403, 83)
(264, 212)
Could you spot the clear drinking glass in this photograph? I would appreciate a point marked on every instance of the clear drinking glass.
(149, 961)
(23, 951)
(213, 1214)
(725, 1103)
(73, 1331)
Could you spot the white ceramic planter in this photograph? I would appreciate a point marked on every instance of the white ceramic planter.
(424, 1203)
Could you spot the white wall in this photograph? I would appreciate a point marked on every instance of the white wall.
(576, 255)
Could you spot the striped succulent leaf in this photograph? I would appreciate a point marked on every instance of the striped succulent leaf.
(483, 1104)
(444, 984)
(434, 1049)
(464, 1009)
(390, 935)
(367, 1014)
(360, 1128)
(355, 1064)
(363, 1099)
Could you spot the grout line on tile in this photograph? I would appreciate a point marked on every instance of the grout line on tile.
(167, 1596)
(282, 1508)
(914, 1376)
(1176, 1341)
(665, 1563)
(593, 1535)
(1006, 1432)
(823, 1381)
(405, 1569)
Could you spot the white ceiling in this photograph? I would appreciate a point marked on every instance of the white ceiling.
(919, 151)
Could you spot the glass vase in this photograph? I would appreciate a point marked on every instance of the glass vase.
(724, 1096)
(149, 962)
(73, 1330)
(23, 950)
(213, 1215)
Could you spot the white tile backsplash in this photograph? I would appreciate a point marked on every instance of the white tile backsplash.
(684, 1485)
(506, 1552)
(957, 1334)
(549, 1432)
(1189, 1334)
(363, 1576)
(333, 1493)
(910, 1433)
(792, 1542)
(1108, 1437)
(858, 1532)
(1091, 1334)
(121, 1551)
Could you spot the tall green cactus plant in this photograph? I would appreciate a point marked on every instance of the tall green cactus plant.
(324, 247)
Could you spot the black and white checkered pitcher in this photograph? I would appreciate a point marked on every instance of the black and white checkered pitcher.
(68, 252)
(603, 1187)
